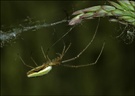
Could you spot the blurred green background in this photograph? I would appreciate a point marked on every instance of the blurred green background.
(112, 75)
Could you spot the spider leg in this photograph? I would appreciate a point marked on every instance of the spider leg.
(64, 50)
(45, 56)
(48, 59)
(122, 32)
(85, 65)
(71, 59)
(43, 53)
(24, 62)
(67, 48)
(34, 61)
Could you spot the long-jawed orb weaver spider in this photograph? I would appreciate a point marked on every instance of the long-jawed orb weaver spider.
(46, 67)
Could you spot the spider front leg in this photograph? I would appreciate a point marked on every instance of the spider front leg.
(71, 59)
(77, 66)
(64, 51)
(46, 57)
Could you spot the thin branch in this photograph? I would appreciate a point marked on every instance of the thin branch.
(13, 33)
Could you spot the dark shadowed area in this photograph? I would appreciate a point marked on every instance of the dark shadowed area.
(112, 75)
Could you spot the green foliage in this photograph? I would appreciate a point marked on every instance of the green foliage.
(122, 11)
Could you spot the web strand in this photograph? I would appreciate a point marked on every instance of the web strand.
(60, 38)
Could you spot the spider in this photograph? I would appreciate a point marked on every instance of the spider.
(47, 66)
